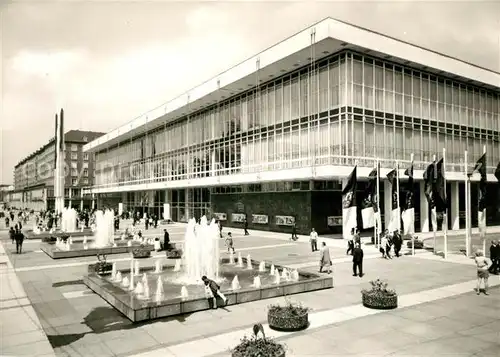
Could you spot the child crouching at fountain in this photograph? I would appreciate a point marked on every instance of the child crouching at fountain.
(212, 291)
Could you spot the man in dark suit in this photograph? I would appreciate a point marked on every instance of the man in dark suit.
(19, 236)
(494, 257)
(245, 227)
(357, 260)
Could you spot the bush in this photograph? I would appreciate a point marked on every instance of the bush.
(174, 254)
(291, 317)
(258, 346)
(101, 267)
(141, 252)
(379, 296)
(50, 240)
(418, 244)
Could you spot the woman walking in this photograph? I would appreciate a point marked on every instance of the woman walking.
(482, 272)
(325, 261)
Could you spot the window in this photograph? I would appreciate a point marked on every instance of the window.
(74, 164)
(74, 172)
(85, 165)
(74, 147)
(74, 182)
(85, 172)
(74, 156)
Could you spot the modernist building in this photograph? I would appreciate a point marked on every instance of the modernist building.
(34, 175)
(273, 138)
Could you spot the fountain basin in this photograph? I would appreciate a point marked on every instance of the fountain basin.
(77, 250)
(172, 304)
(29, 234)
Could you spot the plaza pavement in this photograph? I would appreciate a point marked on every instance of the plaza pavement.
(440, 313)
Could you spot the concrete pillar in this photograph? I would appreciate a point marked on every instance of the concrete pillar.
(81, 203)
(455, 210)
(213, 165)
(166, 206)
(387, 203)
(424, 209)
(186, 203)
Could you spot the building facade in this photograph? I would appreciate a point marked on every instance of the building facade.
(276, 145)
(34, 175)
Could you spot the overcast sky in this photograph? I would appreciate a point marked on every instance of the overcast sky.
(106, 62)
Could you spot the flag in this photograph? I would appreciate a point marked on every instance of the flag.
(480, 167)
(394, 223)
(349, 213)
(429, 183)
(367, 205)
(408, 215)
(497, 172)
(440, 188)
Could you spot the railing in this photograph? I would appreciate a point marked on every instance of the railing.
(294, 163)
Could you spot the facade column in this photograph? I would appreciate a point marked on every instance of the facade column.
(387, 203)
(81, 203)
(70, 196)
(212, 163)
(166, 206)
(186, 203)
(424, 209)
(455, 208)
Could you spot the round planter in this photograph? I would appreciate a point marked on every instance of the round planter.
(287, 323)
(379, 302)
(281, 353)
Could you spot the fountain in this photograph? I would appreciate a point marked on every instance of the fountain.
(246, 281)
(201, 250)
(104, 235)
(235, 284)
(137, 268)
(249, 262)
(262, 267)
(277, 279)
(125, 282)
(240, 260)
(184, 292)
(139, 289)
(159, 290)
(68, 220)
(256, 282)
(158, 267)
(177, 266)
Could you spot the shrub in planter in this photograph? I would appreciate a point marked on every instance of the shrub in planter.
(141, 252)
(290, 317)
(50, 240)
(174, 253)
(419, 244)
(64, 238)
(379, 297)
(258, 346)
(101, 267)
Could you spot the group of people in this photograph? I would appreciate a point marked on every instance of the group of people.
(388, 241)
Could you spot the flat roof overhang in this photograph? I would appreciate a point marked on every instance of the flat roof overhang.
(331, 36)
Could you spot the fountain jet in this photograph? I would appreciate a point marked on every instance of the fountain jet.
(235, 284)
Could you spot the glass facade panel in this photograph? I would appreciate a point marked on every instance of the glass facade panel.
(344, 106)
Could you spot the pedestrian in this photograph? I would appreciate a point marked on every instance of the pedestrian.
(212, 291)
(229, 242)
(166, 240)
(482, 265)
(398, 242)
(245, 227)
(294, 232)
(19, 236)
(357, 261)
(12, 234)
(313, 238)
(494, 257)
(325, 260)
(383, 244)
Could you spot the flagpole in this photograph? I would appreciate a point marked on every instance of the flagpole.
(432, 221)
(397, 189)
(484, 211)
(376, 223)
(379, 219)
(413, 222)
(467, 198)
(445, 218)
